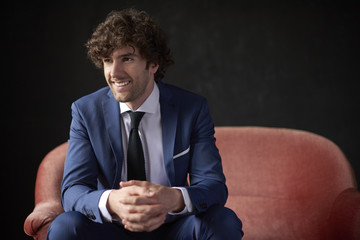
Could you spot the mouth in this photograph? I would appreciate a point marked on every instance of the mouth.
(119, 85)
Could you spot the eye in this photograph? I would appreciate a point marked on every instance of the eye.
(127, 59)
(107, 60)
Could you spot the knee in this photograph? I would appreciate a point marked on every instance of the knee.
(68, 225)
(220, 215)
(223, 223)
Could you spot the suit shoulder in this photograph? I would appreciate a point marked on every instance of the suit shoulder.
(94, 97)
(182, 94)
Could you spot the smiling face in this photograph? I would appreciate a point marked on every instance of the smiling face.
(129, 76)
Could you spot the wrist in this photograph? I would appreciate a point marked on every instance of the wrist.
(179, 203)
(188, 205)
(109, 206)
(103, 206)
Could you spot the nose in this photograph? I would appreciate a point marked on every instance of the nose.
(117, 70)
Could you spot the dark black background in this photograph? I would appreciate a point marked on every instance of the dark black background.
(292, 64)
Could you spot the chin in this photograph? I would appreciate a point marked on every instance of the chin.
(118, 97)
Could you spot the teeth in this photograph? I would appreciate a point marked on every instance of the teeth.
(121, 84)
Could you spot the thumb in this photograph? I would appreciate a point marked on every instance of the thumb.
(132, 183)
(145, 186)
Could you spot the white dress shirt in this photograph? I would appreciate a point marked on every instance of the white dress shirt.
(150, 132)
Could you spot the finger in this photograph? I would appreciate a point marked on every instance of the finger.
(143, 213)
(133, 183)
(146, 186)
(137, 191)
(138, 200)
(147, 226)
(136, 213)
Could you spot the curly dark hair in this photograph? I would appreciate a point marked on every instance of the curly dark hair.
(131, 27)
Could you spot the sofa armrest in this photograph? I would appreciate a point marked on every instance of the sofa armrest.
(344, 220)
(37, 223)
(47, 193)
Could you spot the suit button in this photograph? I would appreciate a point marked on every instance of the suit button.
(89, 214)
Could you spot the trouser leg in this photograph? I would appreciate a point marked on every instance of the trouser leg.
(218, 223)
(74, 225)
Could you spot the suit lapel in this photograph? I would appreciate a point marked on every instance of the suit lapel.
(113, 127)
(169, 116)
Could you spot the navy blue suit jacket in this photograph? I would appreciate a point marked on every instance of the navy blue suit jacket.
(95, 155)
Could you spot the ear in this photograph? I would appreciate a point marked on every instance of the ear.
(153, 67)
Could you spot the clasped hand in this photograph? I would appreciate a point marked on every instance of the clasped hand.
(142, 206)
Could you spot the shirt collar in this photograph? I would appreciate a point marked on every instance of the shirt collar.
(149, 106)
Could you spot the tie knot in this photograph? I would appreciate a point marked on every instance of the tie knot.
(135, 118)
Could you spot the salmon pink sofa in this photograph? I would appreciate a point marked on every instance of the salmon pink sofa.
(283, 184)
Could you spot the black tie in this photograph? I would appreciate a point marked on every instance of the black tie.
(135, 154)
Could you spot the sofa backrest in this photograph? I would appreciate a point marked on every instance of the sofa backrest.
(282, 179)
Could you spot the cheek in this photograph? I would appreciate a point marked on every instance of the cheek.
(106, 75)
(106, 72)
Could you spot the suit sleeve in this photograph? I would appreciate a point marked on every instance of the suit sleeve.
(207, 181)
(79, 186)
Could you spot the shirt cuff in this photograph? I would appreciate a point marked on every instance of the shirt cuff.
(188, 203)
(102, 206)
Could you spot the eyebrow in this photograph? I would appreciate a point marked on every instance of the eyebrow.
(127, 55)
(123, 55)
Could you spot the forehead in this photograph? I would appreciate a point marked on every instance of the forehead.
(124, 50)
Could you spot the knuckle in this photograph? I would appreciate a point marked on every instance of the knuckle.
(145, 218)
(147, 227)
(128, 209)
(140, 228)
(134, 200)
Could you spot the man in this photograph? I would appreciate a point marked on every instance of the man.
(127, 180)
